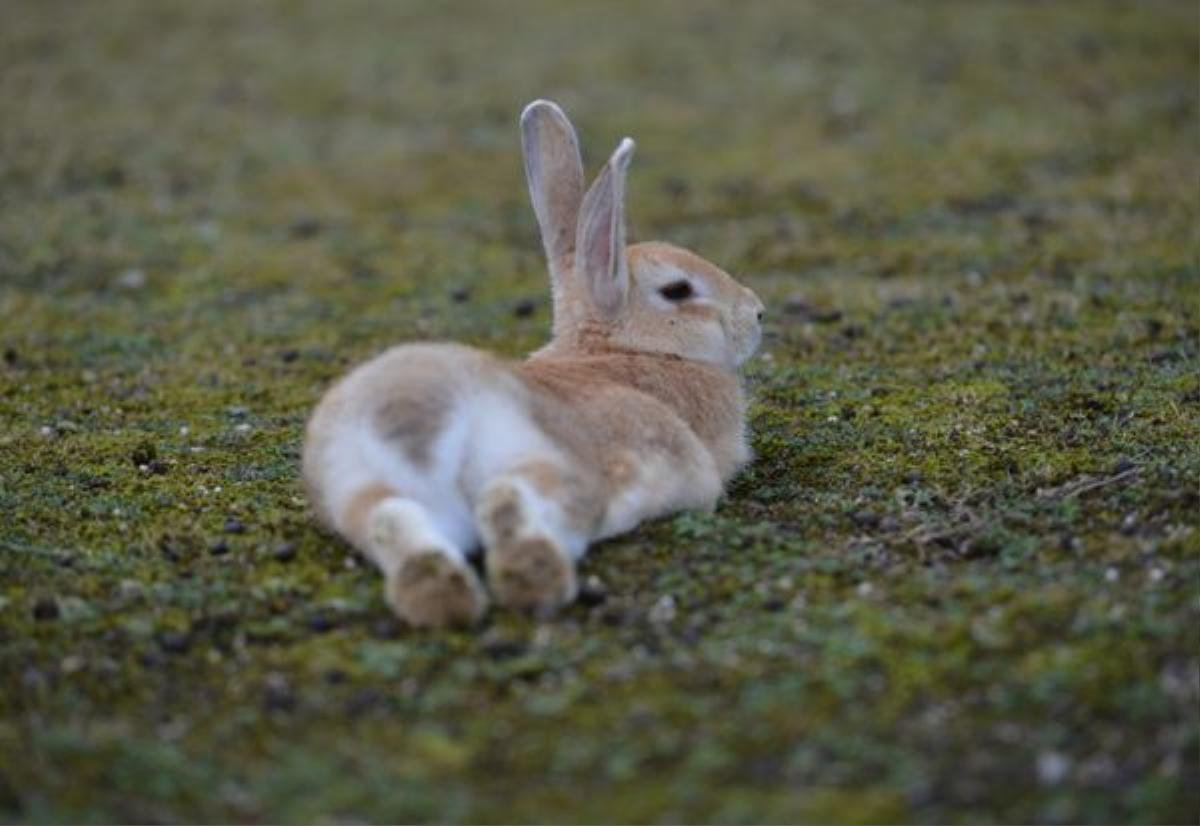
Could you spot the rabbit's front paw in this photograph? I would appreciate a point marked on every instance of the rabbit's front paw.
(429, 589)
(527, 567)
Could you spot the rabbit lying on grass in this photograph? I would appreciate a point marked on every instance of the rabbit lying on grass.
(632, 411)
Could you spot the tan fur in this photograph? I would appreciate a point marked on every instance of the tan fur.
(643, 408)
(577, 492)
(531, 575)
(606, 404)
(431, 591)
(413, 422)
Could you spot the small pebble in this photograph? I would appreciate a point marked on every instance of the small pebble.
(499, 645)
(32, 679)
(130, 589)
(174, 642)
(797, 305)
(278, 694)
(150, 659)
(1112, 574)
(1052, 768)
(364, 701)
(143, 455)
(614, 615)
(1123, 466)
(543, 635)
(1129, 523)
(865, 519)
(593, 592)
(664, 610)
(132, 279)
(305, 228)
(45, 609)
(387, 628)
(675, 187)
(321, 622)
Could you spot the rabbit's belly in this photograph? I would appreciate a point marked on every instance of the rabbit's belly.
(654, 484)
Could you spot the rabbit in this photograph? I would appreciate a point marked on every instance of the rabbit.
(634, 410)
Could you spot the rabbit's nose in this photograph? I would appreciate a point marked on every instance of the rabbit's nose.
(759, 308)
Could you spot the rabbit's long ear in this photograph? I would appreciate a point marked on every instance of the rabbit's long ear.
(554, 173)
(600, 237)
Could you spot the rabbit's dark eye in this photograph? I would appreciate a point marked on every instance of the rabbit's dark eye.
(676, 291)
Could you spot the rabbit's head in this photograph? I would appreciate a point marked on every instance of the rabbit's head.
(651, 297)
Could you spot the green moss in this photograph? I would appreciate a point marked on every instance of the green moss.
(957, 584)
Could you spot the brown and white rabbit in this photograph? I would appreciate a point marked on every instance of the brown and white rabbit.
(632, 411)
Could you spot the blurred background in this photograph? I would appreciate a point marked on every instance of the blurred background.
(760, 130)
(958, 584)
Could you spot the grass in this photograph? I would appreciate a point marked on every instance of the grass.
(959, 583)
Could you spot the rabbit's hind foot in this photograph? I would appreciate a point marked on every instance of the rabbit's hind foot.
(428, 584)
(528, 567)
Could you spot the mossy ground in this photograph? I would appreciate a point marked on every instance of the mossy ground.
(961, 582)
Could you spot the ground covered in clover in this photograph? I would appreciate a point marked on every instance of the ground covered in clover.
(959, 583)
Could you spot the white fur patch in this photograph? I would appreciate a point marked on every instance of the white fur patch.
(396, 527)
(357, 456)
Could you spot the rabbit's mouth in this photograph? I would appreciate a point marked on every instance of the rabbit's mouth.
(752, 347)
(745, 343)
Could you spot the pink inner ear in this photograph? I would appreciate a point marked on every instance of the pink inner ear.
(601, 254)
(600, 259)
(601, 233)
